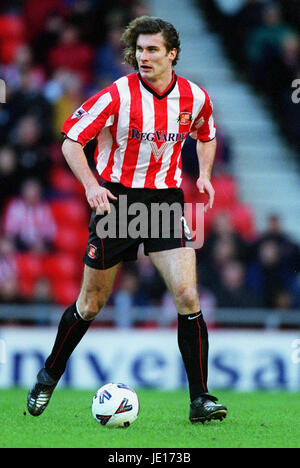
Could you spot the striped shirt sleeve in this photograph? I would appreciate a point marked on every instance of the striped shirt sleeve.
(89, 119)
(204, 128)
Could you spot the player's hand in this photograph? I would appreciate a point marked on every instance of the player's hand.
(204, 186)
(98, 199)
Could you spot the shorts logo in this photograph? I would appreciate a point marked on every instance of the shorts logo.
(92, 251)
(184, 118)
(186, 229)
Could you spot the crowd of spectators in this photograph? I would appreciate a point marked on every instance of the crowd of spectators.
(55, 54)
(261, 272)
(263, 39)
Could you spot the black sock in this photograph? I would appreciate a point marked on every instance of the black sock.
(70, 331)
(193, 345)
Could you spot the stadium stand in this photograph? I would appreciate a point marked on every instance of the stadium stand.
(268, 55)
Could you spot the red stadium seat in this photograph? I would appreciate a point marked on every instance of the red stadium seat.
(71, 212)
(30, 266)
(71, 239)
(63, 181)
(26, 287)
(12, 36)
(242, 217)
(65, 292)
(62, 266)
(226, 191)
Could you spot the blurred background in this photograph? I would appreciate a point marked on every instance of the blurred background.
(54, 54)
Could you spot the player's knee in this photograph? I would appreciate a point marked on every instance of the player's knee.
(89, 310)
(91, 304)
(187, 298)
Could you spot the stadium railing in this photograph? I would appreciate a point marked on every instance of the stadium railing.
(44, 314)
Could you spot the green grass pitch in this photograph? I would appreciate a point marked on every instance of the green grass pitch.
(255, 420)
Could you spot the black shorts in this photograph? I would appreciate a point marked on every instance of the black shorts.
(139, 216)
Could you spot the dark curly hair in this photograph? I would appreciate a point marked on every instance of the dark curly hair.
(148, 25)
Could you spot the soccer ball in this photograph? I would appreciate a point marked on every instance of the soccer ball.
(115, 405)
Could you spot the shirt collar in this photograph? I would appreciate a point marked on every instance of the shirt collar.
(153, 91)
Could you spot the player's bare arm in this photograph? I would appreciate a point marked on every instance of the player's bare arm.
(96, 195)
(206, 152)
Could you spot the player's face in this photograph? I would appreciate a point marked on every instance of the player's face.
(154, 61)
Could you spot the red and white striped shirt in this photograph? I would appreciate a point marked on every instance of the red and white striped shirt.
(140, 132)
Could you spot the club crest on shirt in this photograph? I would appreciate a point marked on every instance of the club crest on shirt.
(184, 118)
(79, 113)
(92, 251)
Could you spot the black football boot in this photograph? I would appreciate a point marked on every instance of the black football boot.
(40, 394)
(204, 408)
